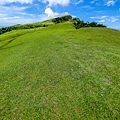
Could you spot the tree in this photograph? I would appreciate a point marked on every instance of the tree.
(78, 23)
(62, 19)
(93, 24)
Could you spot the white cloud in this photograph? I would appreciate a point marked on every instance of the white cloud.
(2, 2)
(110, 3)
(99, 17)
(114, 19)
(106, 18)
(80, 1)
(11, 15)
(11, 9)
(49, 12)
(92, 2)
(87, 7)
(55, 2)
(17, 15)
(101, 21)
(96, 2)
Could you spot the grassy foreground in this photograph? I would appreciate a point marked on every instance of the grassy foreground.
(60, 73)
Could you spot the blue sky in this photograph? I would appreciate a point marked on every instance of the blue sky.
(28, 11)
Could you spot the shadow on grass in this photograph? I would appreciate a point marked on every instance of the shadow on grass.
(7, 43)
(11, 46)
(4, 45)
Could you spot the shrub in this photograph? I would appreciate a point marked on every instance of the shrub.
(80, 23)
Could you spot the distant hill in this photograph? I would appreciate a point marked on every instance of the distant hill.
(76, 22)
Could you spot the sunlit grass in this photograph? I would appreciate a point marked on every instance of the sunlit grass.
(60, 73)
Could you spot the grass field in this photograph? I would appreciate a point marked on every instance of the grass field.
(60, 73)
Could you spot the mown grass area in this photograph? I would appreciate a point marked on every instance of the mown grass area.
(60, 73)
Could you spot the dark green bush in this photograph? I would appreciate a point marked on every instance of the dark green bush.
(62, 19)
(80, 23)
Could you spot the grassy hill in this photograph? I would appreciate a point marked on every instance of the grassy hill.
(59, 72)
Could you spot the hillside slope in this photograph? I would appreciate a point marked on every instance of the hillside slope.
(59, 72)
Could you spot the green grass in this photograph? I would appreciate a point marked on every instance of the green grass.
(60, 73)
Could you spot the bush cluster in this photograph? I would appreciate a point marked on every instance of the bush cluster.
(80, 23)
